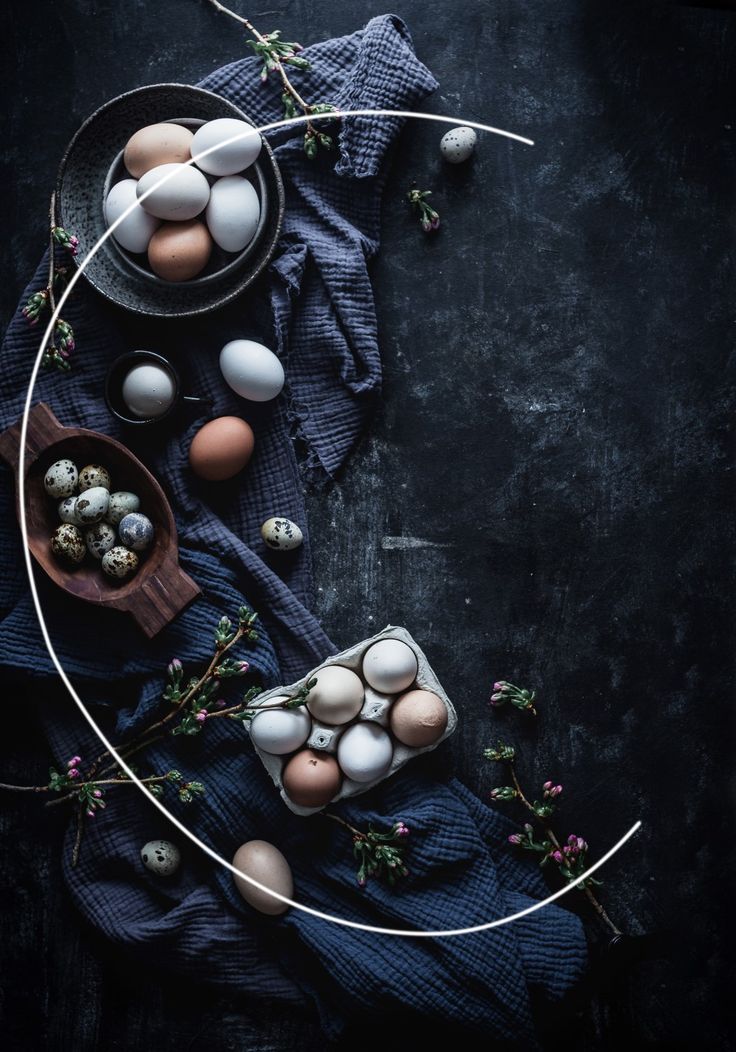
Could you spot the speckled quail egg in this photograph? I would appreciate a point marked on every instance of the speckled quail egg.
(61, 479)
(458, 144)
(122, 503)
(161, 857)
(92, 505)
(135, 531)
(67, 510)
(99, 539)
(67, 543)
(281, 534)
(94, 475)
(120, 562)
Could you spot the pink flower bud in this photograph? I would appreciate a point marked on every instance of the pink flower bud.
(74, 761)
(97, 793)
(557, 856)
(547, 785)
(515, 838)
(73, 773)
(90, 813)
(201, 716)
(498, 686)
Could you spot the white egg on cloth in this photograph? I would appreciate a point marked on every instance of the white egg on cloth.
(183, 196)
(61, 479)
(99, 539)
(281, 534)
(228, 158)
(458, 144)
(148, 391)
(233, 213)
(137, 229)
(364, 752)
(390, 666)
(161, 857)
(280, 731)
(265, 863)
(337, 697)
(92, 505)
(122, 503)
(251, 370)
(119, 562)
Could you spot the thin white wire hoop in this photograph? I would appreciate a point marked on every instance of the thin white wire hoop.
(375, 929)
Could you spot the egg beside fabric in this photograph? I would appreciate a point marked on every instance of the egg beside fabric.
(161, 857)
(458, 144)
(226, 158)
(233, 213)
(221, 448)
(281, 534)
(137, 229)
(263, 862)
(251, 370)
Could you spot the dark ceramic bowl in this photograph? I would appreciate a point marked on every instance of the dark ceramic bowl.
(85, 173)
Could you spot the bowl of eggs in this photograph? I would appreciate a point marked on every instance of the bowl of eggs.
(98, 522)
(372, 708)
(190, 191)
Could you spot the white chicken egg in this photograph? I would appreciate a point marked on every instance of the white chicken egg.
(365, 752)
(389, 666)
(280, 731)
(137, 229)
(148, 391)
(251, 370)
(233, 212)
(337, 697)
(226, 159)
(183, 196)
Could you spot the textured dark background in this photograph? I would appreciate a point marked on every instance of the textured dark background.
(545, 493)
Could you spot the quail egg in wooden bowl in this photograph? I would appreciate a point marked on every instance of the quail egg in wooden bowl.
(180, 253)
(98, 522)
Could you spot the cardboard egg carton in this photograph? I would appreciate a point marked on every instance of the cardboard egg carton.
(376, 708)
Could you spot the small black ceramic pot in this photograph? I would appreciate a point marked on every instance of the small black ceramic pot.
(114, 388)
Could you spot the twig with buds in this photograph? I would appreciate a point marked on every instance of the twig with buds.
(380, 855)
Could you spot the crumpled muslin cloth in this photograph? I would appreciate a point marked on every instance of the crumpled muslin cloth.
(316, 308)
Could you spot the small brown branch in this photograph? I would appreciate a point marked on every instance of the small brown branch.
(78, 837)
(352, 829)
(25, 788)
(552, 837)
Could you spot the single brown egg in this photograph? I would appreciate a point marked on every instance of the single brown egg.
(311, 778)
(265, 863)
(221, 448)
(157, 144)
(418, 718)
(179, 251)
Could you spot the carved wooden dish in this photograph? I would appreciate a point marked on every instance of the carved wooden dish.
(160, 589)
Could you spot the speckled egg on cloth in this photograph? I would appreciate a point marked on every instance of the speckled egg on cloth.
(281, 534)
(458, 144)
(136, 531)
(161, 857)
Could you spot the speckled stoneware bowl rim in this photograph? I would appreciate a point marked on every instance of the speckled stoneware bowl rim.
(245, 279)
(114, 175)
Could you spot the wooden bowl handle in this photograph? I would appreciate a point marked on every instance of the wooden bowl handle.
(42, 431)
(162, 596)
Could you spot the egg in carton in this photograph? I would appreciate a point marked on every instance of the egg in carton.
(330, 760)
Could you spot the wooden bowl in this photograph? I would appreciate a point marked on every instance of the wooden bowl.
(160, 589)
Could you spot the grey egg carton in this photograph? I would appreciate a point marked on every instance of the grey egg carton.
(375, 708)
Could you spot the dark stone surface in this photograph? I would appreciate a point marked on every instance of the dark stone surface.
(554, 440)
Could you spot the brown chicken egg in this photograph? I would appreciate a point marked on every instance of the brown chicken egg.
(179, 251)
(311, 778)
(221, 448)
(157, 144)
(265, 863)
(418, 718)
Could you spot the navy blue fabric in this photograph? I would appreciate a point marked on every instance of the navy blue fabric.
(316, 308)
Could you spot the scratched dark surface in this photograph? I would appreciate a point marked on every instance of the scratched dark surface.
(545, 493)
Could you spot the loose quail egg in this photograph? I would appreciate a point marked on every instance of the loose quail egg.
(61, 479)
(120, 562)
(281, 534)
(67, 543)
(161, 857)
(92, 505)
(99, 539)
(122, 503)
(94, 475)
(136, 531)
(457, 144)
(67, 510)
